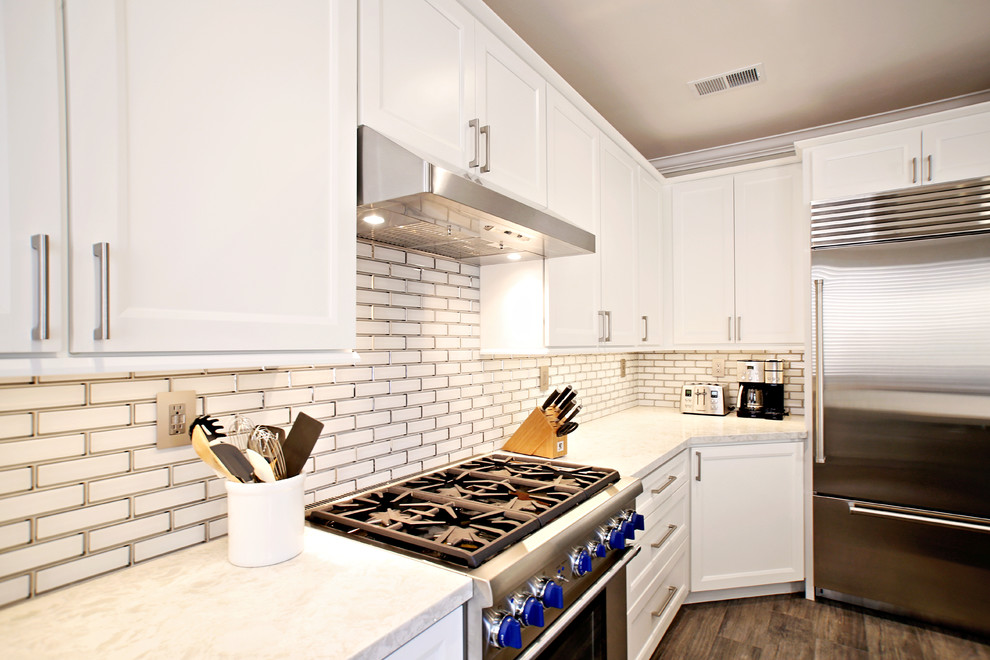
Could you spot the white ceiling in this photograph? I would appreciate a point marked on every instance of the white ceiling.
(825, 61)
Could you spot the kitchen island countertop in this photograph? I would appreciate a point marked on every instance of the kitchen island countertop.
(340, 598)
(639, 440)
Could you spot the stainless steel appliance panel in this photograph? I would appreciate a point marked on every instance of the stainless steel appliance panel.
(942, 569)
(905, 350)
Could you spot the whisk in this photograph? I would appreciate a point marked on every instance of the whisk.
(267, 441)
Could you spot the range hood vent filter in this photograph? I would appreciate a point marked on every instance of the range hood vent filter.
(729, 80)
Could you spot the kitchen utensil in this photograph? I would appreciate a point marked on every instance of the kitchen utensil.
(267, 441)
(550, 399)
(569, 427)
(240, 432)
(566, 398)
(202, 430)
(262, 469)
(234, 461)
(565, 409)
(572, 415)
(302, 437)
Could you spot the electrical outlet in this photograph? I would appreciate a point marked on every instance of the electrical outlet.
(175, 412)
(622, 368)
(544, 379)
(718, 367)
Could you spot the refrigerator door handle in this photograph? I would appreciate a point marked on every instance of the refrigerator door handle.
(819, 376)
(855, 508)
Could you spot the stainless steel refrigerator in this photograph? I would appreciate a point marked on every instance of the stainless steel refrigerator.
(901, 387)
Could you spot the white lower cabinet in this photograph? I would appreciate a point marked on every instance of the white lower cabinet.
(746, 515)
(657, 578)
(444, 640)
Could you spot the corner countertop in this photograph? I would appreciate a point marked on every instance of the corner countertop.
(639, 440)
(340, 598)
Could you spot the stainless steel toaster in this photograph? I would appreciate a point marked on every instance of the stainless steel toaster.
(703, 399)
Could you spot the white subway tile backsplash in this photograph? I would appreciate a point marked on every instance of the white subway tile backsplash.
(198, 513)
(128, 390)
(16, 426)
(15, 535)
(38, 502)
(160, 545)
(33, 398)
(81, 569)
(129, 485)
(40, 554)
(42, 449)
(78, 419)
(169, 499)
(14, 481)
(262, 381)
(82, 469)
(81, 519)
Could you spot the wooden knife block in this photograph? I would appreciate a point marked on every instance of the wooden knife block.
(537, 436)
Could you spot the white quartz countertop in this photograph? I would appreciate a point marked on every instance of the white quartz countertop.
(639, 440)
(340, 598)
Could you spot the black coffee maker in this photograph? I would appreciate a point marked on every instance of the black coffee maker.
(761, 389)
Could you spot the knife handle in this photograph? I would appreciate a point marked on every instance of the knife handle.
(572, 415)
(566, 408)
(550, 399)
(564, 400)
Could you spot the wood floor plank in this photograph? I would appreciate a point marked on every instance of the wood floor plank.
(789, 627)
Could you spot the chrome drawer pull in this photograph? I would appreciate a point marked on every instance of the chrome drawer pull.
(477, 143)
(671, 592)
(40, 242)
(102, 252)
(671, 479)
(855, 509)
(670, 530)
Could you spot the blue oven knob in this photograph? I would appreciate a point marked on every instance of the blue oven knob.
(580, 562)
(628, 530)
(639, 522)
(616, 539)
(597, 549)
(532, 613)
(505, 631)
(551, 593)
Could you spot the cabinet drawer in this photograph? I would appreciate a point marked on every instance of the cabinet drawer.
(647, 624)
(660, 484)
(666, 530)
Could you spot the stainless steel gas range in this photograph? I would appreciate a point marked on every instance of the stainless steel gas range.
(545, 542)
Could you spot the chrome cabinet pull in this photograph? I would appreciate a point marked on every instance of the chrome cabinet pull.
(929, 167)
(646, 329)
(102, 252)
(608, 326)
(738, 328)
(487, 131)
(40, 242)
(819, 375)
(730, 328)
(477, 143)
(670, 530)
(671, 479)
(698, 454)
(601, 326)
(671, 592)
(855, 508)
(914, 170)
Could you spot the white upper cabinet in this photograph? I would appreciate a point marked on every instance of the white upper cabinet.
(511, 104)
(417, 76)
(649, 260)
(437, 81)
(957, 149)
(572, 163)
(703, 261)
(737, 255)
(211, 155)
(938, 152)
(617, 244)
(32, 241)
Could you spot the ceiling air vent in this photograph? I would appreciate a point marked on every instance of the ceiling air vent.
(729, 80)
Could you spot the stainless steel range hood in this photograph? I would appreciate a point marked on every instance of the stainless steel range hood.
(423, 207)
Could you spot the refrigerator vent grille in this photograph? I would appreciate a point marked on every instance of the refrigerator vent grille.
(951, 209)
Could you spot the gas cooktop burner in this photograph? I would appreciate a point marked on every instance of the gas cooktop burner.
(466, 513)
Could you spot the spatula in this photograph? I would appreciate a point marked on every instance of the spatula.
(234, 461)
(303, 435)
(203, 430)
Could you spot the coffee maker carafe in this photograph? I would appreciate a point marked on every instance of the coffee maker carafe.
(761, 389)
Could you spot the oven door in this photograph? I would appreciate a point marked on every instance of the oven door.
(593, 627)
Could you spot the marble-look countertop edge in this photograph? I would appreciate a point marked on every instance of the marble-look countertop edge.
(709, 440)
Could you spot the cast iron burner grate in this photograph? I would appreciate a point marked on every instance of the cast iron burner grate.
(468, 513)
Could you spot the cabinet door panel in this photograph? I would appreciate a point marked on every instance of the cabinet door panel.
(959, 149)
(768, 248)
(746, 515)
(572, 163)
(417, 76)
(31, 184)
(511, 100)
(648, 262)
(703, 261)
(206, 149)
(864, 165)
(620, 177)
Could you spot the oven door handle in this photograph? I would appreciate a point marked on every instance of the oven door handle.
(577, 607)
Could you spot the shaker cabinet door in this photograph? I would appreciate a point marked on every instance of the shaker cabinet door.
(32, 243)
(865, 165)
(211, 157)
(957, 149)
(620, 178)
(648, 261)
(417, 76)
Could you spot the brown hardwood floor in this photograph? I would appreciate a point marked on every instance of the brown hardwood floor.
(791, 627)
